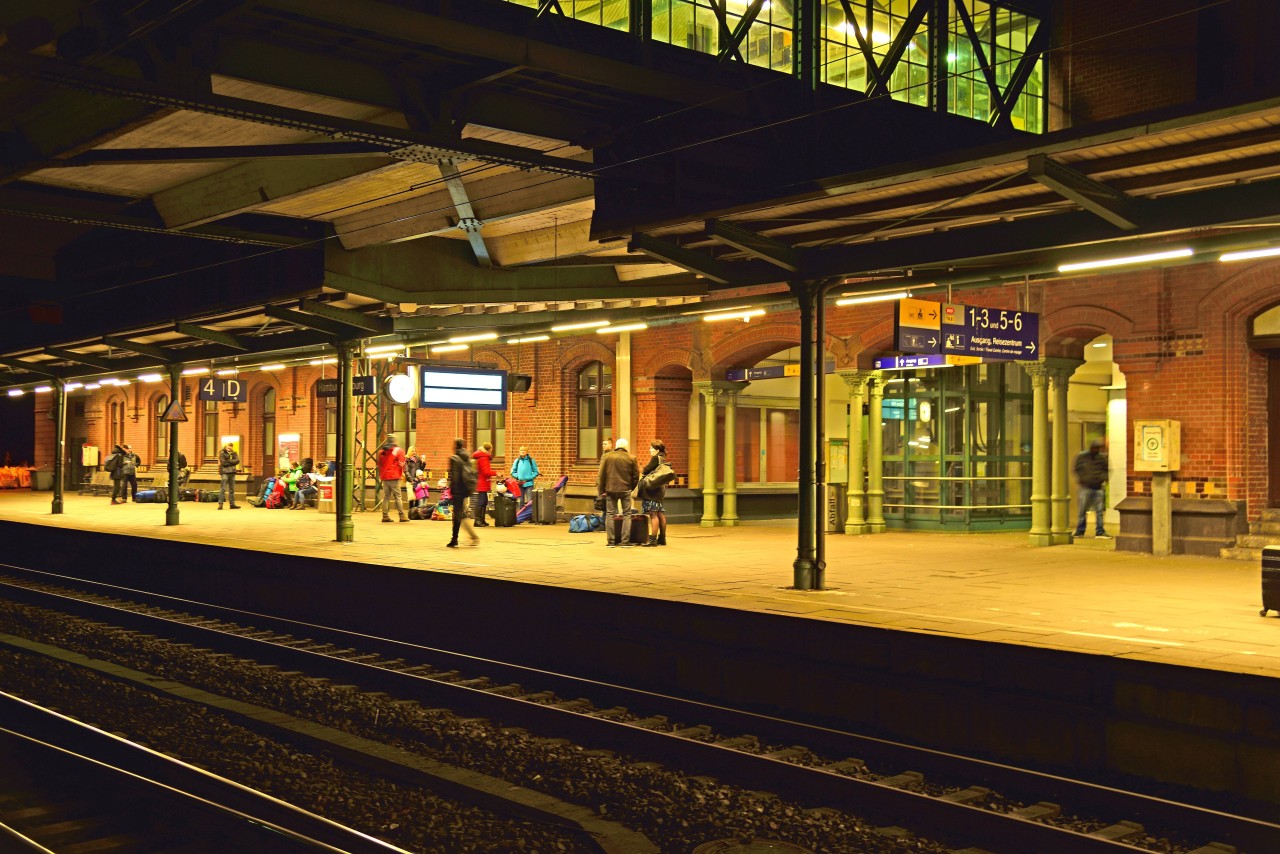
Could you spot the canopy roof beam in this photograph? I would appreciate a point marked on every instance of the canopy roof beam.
(1111, 204)
(215, 336)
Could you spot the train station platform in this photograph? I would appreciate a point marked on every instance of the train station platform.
(1086, 598)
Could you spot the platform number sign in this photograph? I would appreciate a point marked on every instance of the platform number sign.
(224, 390)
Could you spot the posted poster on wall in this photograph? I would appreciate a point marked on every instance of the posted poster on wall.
(233, 441)
(289, 449)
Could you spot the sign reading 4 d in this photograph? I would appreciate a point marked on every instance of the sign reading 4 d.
(224, 389)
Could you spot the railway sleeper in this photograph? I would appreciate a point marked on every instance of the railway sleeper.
(654, 722)
(607, 714)
(479, 682)
(846, 766)
(893, 831)
(1215, 848)
(504, 690)
(971, 795)
(540, 697)
(787, 754)
(1119, 830)
(903, 780)
(696, 731)
(571, 705)
(1038, 812)
(739, 743)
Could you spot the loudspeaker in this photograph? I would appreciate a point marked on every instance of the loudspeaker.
(519, 382)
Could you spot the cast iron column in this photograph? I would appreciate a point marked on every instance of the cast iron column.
(1061, 526)
(875, 456)
(729, 516)
(1040, 534)
(344, 487)
(175, 394)
(709, 517)
(820, 439)
(856, 520)
(805, 565)
(59, 441)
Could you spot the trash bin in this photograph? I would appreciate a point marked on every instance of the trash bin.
(837, 507)
(41, 480)
(326, 490)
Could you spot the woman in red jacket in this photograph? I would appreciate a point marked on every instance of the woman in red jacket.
(483, 457)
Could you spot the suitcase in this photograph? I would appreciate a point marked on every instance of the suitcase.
(188, 494)
(631, 529)
(544, 506)
(504, 510)
(209, 496)
(1270, 580)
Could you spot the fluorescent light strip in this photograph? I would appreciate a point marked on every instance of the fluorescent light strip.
(74, 386)
(323, 362)
(529, 339)
(1250, 253)
(449, 348)
(16, 392)
(744, 316)
(92, 387)
(1125, 261)
(109, 381)
(275, 367)
(569, 327)
(895, 295)
(194, 372)
(149, 378)
(41, 389)
(228, 372)
(480, 336)
(384, 348)
(626, 327)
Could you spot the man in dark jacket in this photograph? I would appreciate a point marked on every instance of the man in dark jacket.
(1091, 471)
(115, 465)
(619, 474)
(462, 477)
(228, 463)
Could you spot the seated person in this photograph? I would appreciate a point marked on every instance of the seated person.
(279, 494)
(304, 488)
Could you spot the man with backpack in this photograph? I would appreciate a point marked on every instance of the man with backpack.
(120, 462)
(463, 478)
(391, 473)
(228, 463)
(525, 471)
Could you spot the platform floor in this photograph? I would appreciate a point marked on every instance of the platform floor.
(1086, 597)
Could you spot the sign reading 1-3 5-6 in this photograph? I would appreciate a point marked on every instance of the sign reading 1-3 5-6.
(924, 326)
(223, 389)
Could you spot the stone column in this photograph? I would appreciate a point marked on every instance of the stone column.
(1040, 531)
(708, 391)
(729, 489)
(1061, 526)
(875, 456)
(856, 520)
(59, 443)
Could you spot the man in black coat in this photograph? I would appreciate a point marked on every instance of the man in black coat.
(1091, 471)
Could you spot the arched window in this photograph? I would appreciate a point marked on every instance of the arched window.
(330, 427)
(115, 423)
(269, 450)
(491, 427)
(595, 409)
(162, 428)
(211, 430)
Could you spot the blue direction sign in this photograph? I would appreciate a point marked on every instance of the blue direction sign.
(360, 385)
(899, 363)
(923, 326)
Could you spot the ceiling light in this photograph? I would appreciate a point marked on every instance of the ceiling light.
(449, 348)
(1250, 253)
(382, 356)
(275, 367)
(480, 336)
(16, 392)
(150, 378)
(569, 327)
(1125, 261)
(323, 362)
(892, 295)
(384, 348)
(529, 339)
(1100, 344)
(92, 387)
(110, 381)
(626, 327)
(194, 372)
(228, 372)
(744, 316)
(74, 386)
(41, 389)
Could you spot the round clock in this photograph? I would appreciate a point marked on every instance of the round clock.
(399, 387)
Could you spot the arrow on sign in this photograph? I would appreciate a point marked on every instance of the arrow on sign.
(1032, 347)
(933, 314)
(933, 342)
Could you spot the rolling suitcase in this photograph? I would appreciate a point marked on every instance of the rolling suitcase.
(1270, 580)
(544, 506)
(630, 529)
(504, 511)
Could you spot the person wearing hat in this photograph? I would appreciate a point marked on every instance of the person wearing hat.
(123, 466)
(228, 463)
(1091, 471)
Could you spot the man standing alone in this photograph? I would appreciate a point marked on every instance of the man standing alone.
(391, 473)
(1091, 471)
(228, 462)
(619, 474)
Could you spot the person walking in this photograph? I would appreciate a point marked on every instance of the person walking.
(525, 471)
(463, 479)
(651, 499)
(391, 473)
(483, 457)
(619, 474)
(228, 463)
(1091, 472)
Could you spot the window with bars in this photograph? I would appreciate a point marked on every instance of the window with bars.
(1002, 38)
(595, 409)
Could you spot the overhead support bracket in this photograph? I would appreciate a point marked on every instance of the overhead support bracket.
(82, 359)
(210, 154)
(691, 260)
(369, 325)
(226, 339)
(775, 252)
(1115, 206)
(467, 219)
(35, 369)
(149, 350)
(340, 331)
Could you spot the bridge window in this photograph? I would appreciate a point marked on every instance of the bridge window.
(595, 409)
(694, 24)
(614, 14)
(856, 49)
(1002, 40)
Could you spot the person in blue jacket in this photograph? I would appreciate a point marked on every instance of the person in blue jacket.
(525, 470)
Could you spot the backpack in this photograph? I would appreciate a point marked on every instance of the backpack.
(112, 463)
(304, 480)
(267, 487)
(274, 501)
(470, 476)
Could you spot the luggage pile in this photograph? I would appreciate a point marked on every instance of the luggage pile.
(13, 477)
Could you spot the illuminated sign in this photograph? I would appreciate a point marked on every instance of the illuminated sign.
(462, 388)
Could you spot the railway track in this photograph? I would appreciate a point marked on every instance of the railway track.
(68, 788)
(962, 801)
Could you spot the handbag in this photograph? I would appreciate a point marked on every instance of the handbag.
(659, 477)
(599, 503)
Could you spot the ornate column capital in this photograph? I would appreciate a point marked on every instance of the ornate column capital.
(856, 380)
(1038, 371)
(1060, 369)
